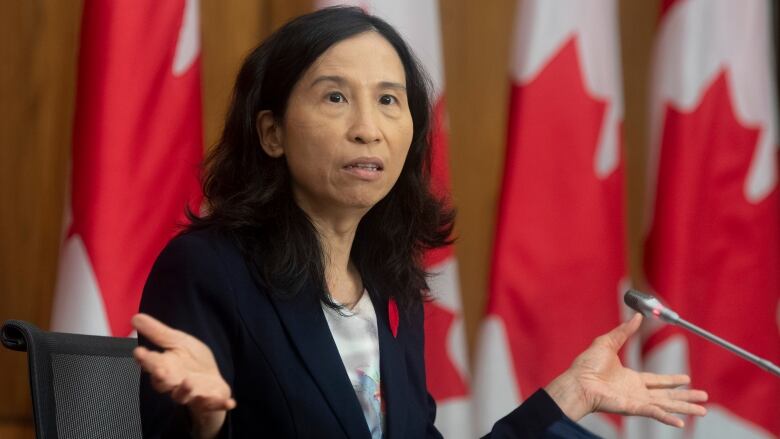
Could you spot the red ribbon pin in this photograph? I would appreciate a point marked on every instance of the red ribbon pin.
(392, 313)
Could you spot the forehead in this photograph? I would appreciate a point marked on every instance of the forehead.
(366, 57)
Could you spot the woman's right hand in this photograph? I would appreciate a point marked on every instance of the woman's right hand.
(187, 370)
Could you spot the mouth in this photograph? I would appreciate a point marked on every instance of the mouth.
(365, 168)
(367, 163)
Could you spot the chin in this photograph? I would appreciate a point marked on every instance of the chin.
(360, 202)
(362, 205)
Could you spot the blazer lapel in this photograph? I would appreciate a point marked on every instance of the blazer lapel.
(305, 322)
(392, 363)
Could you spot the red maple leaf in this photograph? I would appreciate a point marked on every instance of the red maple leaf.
(443, 378)
(440, 172)
(715, 256)
(559, 250)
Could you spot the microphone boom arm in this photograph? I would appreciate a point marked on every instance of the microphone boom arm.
(755, 359)
(649, 306)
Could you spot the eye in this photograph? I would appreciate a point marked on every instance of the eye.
(336, 97)
(388, 100)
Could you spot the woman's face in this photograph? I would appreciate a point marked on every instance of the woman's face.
(348, 127)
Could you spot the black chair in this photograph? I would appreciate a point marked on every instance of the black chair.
(82, 386)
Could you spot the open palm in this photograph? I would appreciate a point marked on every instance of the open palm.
(187, 370)
(598, 381)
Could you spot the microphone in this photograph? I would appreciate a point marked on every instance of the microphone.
(649, 306)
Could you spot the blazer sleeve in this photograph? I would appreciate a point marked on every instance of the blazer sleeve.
(187, 289)
(537, 417)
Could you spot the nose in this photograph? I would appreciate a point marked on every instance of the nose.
(364, 128)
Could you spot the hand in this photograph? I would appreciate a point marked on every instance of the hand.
(597, 381)
(187, 370)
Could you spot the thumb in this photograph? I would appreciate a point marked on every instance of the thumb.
(618, 336)
(156, 331)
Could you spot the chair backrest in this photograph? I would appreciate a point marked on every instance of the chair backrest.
(82, 386)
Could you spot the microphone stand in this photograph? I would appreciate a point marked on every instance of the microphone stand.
(755, 359)
(650, 306)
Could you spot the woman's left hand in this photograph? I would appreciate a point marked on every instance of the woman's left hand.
(598, 381)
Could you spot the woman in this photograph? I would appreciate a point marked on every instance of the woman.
(297, 298)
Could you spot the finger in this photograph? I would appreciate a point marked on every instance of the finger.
(669, 419)
(204, 403)
(139, 353)
(148, 360)
(656, 381)
(182, 393)
(162, 382)
(659, 414)
(680, 395)
(680, 407)
(191, 389)
(203, 393)
(615, 338)
(156, 331)
(164, 377)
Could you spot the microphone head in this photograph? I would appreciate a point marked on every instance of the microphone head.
(637, 300)
(648, 306)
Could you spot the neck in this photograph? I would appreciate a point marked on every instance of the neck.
(336, 233)
(336, 242)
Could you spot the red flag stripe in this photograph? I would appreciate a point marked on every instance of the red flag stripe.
(137, 141)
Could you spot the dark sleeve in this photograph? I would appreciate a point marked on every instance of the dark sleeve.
(187, 289)
(537, 417)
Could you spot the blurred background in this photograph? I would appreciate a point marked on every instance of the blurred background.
(484, 68)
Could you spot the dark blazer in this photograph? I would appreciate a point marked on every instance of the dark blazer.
(281, 362)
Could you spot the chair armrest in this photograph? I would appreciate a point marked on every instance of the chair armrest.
(17, 334)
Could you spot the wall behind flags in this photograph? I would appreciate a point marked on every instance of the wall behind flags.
(38, 49)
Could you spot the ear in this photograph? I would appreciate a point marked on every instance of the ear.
(270, 134)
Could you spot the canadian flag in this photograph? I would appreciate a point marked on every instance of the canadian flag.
(559, 263)
(137, 145)
(713, 245)
(446, 359)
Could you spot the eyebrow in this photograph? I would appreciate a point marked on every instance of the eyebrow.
(341, 81)
(390, 84)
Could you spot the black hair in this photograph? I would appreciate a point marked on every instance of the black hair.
(249, 193)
